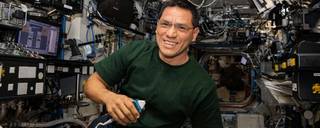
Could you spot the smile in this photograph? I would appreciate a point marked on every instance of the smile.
(170, 43)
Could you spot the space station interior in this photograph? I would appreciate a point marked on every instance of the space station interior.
(263, 55)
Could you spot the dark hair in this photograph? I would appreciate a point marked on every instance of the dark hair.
(182, 4)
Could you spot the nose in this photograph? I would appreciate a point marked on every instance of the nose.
(172, 32)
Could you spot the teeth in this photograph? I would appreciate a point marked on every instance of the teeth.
(171, 43)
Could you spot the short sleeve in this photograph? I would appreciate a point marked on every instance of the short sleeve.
(114, 67)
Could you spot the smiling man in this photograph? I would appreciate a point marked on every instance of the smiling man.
(174, 86)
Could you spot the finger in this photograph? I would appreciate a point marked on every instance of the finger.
(114, 116)
(133, 110)
(127, 112)
(121, 117)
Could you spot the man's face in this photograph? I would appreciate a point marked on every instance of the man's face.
(175, 32)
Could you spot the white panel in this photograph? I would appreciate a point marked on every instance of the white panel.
(65, 69)
(10, 87)
(50, 68)
(91, 69)
(243, 61)
(77, 70)
(22, 88)
(27, 72)
(39, 88)
(67, 7)
(40, 65)
(11, 70)
(316, 74)
(84, 69)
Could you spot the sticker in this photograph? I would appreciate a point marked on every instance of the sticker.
(91, 69)
(50, 68)
(84, 70)
(40, 65)
(294, 87)
(316, 74)
(77, 70)
(244, 61)
(27, 72)
(10, 87)
(22, 88)
(283, 65)
(11, 70)
(67, 7)
(65, 69)
(276, 67)
(293, 61)
(39, 88)
(59, 68)
(316, 88)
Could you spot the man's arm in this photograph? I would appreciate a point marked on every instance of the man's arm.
(120, 107)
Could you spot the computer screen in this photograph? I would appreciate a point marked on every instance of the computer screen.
(40, 37)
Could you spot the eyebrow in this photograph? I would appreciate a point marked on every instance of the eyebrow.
(180, 24)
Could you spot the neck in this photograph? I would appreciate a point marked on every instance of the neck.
(175, 61)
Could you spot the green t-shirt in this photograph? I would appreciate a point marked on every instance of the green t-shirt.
(172, 93)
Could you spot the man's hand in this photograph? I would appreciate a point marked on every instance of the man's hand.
(121, 108)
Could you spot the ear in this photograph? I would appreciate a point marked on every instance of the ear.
(195, 34)
(156, 30)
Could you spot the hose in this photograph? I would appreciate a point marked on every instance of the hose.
(52, 123)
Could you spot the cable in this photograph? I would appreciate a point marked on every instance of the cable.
(103, 18)
(107, 123)
(198, 6)
(25, 10)
(52, 123)
(9, 12)
(278, 122)
(93, 39)
(25, 18)
(213, 1)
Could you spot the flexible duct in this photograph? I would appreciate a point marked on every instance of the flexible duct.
(53, 123)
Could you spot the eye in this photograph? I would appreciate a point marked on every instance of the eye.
(182, 28)
(165, 24)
